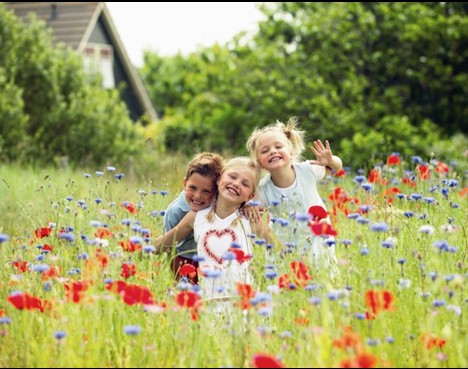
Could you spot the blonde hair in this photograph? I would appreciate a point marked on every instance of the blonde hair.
(242, 162)
(207, 164)
(294, 137)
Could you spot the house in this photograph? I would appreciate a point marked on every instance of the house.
(87, 27)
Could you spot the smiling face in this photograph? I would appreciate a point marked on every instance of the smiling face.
(237, 184)
(199, 191)
(273, 151)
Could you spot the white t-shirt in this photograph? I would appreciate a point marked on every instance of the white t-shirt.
(213, 241)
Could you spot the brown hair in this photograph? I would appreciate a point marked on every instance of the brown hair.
(207, 164)
(294, 136)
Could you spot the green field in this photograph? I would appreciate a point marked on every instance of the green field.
(72, 295)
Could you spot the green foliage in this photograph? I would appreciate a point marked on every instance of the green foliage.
(48, 109)
(345, 69)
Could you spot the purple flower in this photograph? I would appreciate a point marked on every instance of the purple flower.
(132, 330)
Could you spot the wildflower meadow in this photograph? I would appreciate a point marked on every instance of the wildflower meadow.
(82, 286)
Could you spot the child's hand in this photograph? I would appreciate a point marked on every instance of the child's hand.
(253, 213)
(323, 153)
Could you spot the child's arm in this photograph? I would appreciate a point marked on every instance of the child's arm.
(325, 157)
(176, 234)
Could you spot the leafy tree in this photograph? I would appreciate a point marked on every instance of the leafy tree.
(48, 109)
(366, 76)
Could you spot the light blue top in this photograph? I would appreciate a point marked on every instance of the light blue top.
(288, 208)
(177, 209)
(300, 196)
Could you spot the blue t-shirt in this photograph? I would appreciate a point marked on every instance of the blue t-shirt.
(177, 209)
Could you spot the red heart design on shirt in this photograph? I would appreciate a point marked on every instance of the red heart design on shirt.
(217, 242)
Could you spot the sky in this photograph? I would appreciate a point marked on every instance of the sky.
(168, 28)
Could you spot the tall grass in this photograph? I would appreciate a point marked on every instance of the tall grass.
(402, 242)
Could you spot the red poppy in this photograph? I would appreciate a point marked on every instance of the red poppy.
(132, 293)
(47, 247)
(22, 266)
(317, 213)
(320, 229)
(431, 340)
(424, 171)
(393, 160)
(266, 361)
(301, 272)
(340, 173)
(247, 293)
(188, 299)
(43, 232)
(241, 257)
(188, 270)
(379, 301)
(128, 269)
(51, 273)
(284, 281)
(361, 360)
(374, 176)
(76, 290)
(441, 167)
(129, 206)
(103, 232)
(129, 246)
(23, 300)
(348, 341)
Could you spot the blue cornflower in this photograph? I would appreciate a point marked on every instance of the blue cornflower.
(70, 237)
(360, 316)
(163, 193)
(270, 274)
(359, 179)
(149, 248)
(364, 251)
(429, 200)
(83, 256)
(5, 320)
(362, 220)
(87, 175)
(417, 159)
(132, 330)
(367, 187)
(119, 176)
(4, 238)
(40, 268)
(438, 303)
(265, 311)
(408, 214)
(99, 173)
(379, 227)
(314, 300)
(445, 191)
(229, 255)
(353, 215)
(453, 183)
(60, 335)
(110, 168)
(415, 196)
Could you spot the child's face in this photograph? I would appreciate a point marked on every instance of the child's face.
(199, 191)
(236, 185)
(273, 151)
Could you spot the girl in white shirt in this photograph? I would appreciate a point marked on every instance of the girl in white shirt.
(290, 186)
(224, 245)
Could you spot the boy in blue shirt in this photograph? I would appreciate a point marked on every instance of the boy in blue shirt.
(199, 191)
